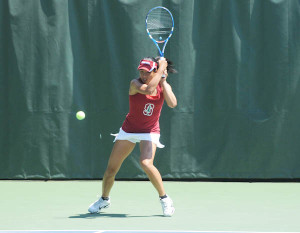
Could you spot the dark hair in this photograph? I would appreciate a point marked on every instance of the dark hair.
(170, 67)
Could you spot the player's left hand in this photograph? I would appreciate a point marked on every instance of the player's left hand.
(165, 75)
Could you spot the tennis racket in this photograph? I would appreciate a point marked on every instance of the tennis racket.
(160, 26)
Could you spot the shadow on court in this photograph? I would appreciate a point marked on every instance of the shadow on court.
(103, 215)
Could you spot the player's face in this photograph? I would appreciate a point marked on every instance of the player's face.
(146, 76)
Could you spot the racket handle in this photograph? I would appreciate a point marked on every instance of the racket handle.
(163, 76)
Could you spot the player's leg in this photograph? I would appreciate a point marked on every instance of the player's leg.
(148, 150)
(120, 151)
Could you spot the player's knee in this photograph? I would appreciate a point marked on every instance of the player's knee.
(146, 164)
(111, 171)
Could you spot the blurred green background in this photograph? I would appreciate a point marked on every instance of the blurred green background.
(237, 87)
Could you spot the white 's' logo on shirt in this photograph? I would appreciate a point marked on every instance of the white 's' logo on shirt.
(148, 110)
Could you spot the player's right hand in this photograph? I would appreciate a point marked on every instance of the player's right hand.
(163, 63)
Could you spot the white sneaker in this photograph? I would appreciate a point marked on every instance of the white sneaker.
(167, 206)
(98, 205)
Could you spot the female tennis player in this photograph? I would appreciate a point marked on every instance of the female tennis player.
(146, 97)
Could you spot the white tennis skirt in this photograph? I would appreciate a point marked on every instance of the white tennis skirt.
(137, 137)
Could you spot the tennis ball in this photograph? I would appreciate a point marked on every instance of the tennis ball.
(80, 115)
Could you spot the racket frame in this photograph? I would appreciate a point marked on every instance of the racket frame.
(161, 51)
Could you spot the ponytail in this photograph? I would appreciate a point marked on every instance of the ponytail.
(170, 68)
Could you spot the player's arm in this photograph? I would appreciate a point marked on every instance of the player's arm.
(169, 95)
(137, 86)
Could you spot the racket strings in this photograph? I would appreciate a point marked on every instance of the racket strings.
(156, 21)
(163, 31)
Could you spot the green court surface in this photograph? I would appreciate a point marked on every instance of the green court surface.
(200, 206)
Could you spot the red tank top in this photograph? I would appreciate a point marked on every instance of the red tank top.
(144, 113)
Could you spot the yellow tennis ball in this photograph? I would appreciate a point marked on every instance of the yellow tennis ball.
(80, 115)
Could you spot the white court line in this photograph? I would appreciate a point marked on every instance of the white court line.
(124, 231)
(128, 231)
